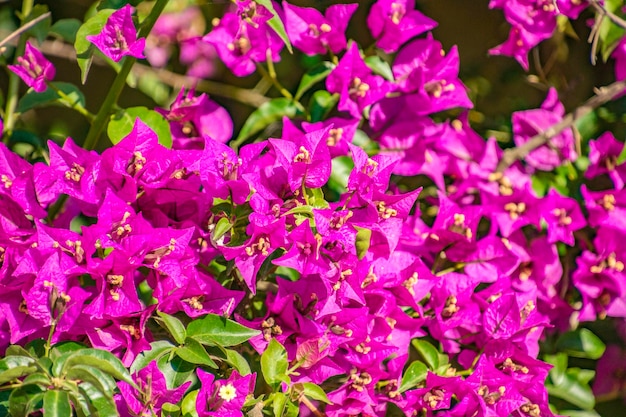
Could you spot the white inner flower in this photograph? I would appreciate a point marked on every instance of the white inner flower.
(227, 392)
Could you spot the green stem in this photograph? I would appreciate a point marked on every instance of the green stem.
(48, 345)
(72, 103)
(271, 76)
(120, 80)
(10, 115)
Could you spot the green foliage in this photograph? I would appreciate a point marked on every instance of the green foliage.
(216, 330)
(274, 364)
(270, 112)
(122, 122)
(84, 48)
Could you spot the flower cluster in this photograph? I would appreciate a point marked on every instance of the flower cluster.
(351, 280)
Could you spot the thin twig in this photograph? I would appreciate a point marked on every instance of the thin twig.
(174, 80)
(603, 95)
(23, 29)
(612, 16)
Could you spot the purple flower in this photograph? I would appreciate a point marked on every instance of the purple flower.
(119, 36)
(313, 33)
(34, 69)
(223, 398)
(355, 83)
(529, 123)
(393, 22)
(153, 394)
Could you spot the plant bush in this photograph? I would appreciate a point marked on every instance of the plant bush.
(353, 246)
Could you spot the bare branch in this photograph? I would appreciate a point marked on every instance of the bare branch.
(603, 95)
(23, 29)
(612, 16)
(177, 81)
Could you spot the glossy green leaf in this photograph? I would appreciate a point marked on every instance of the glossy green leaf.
(321, 103)
(174, 326)
(170, 410)
(66, 29)
(100, 405)
(100, 380)
(80, 403)
(223, 225)
(428, 352)
(279, 402)
(380, 67)
(99, 359)
(217, 330)
(276, 24)
(16, 350)
(316, 198)
(16, 372)
(37, 379)
(56, 403)
(34, 99)
(573, 391)
(188, 405)
(25, 399)
(315, 392)
(84, 48)
(414, 374)
(268, 113)
(581, 343)
(362, 243)
(12, 361)
(158, 349)
(274, 364)
(176, 371)
(235, 359)
(313, 76)
(122, 122)
(193, 352)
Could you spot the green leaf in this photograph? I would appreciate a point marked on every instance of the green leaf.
(342, 166)
(188, 405)
(25, 400)
(16, 350)
(316, 198)
(67, 346)
(266, 114)
(56, 403)
(158, 349)
(217, 330)
(279, 402)
(362, 243)
(176, 371)
(121, 124)
(235, 359)
(313, 76)
(66, 29)
(174, 326)
(223, 225)
(99, 359)
(380, 67)
(194, 352)
(100, 405)
(428, 352)
(16, 372)
(581, 343)
(37, 379)
(315, 392)
(84, 48)
(276, 24)
(572, 391)
(40, 30)
(34, 99)
(321, 104)
(274, 364)
(100, 380)
(116, 4)
(414, 374)
(170, 410)
(609, 32)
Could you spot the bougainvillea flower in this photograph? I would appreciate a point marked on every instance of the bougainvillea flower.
(393, 22)
(224, 397)
(118, 37)
(152, 393)
(242, 41)
(603, 155)
(563, 217)
(34, 68)
(193, 117)
(528, 123)
(355, 83)
(313, 33)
